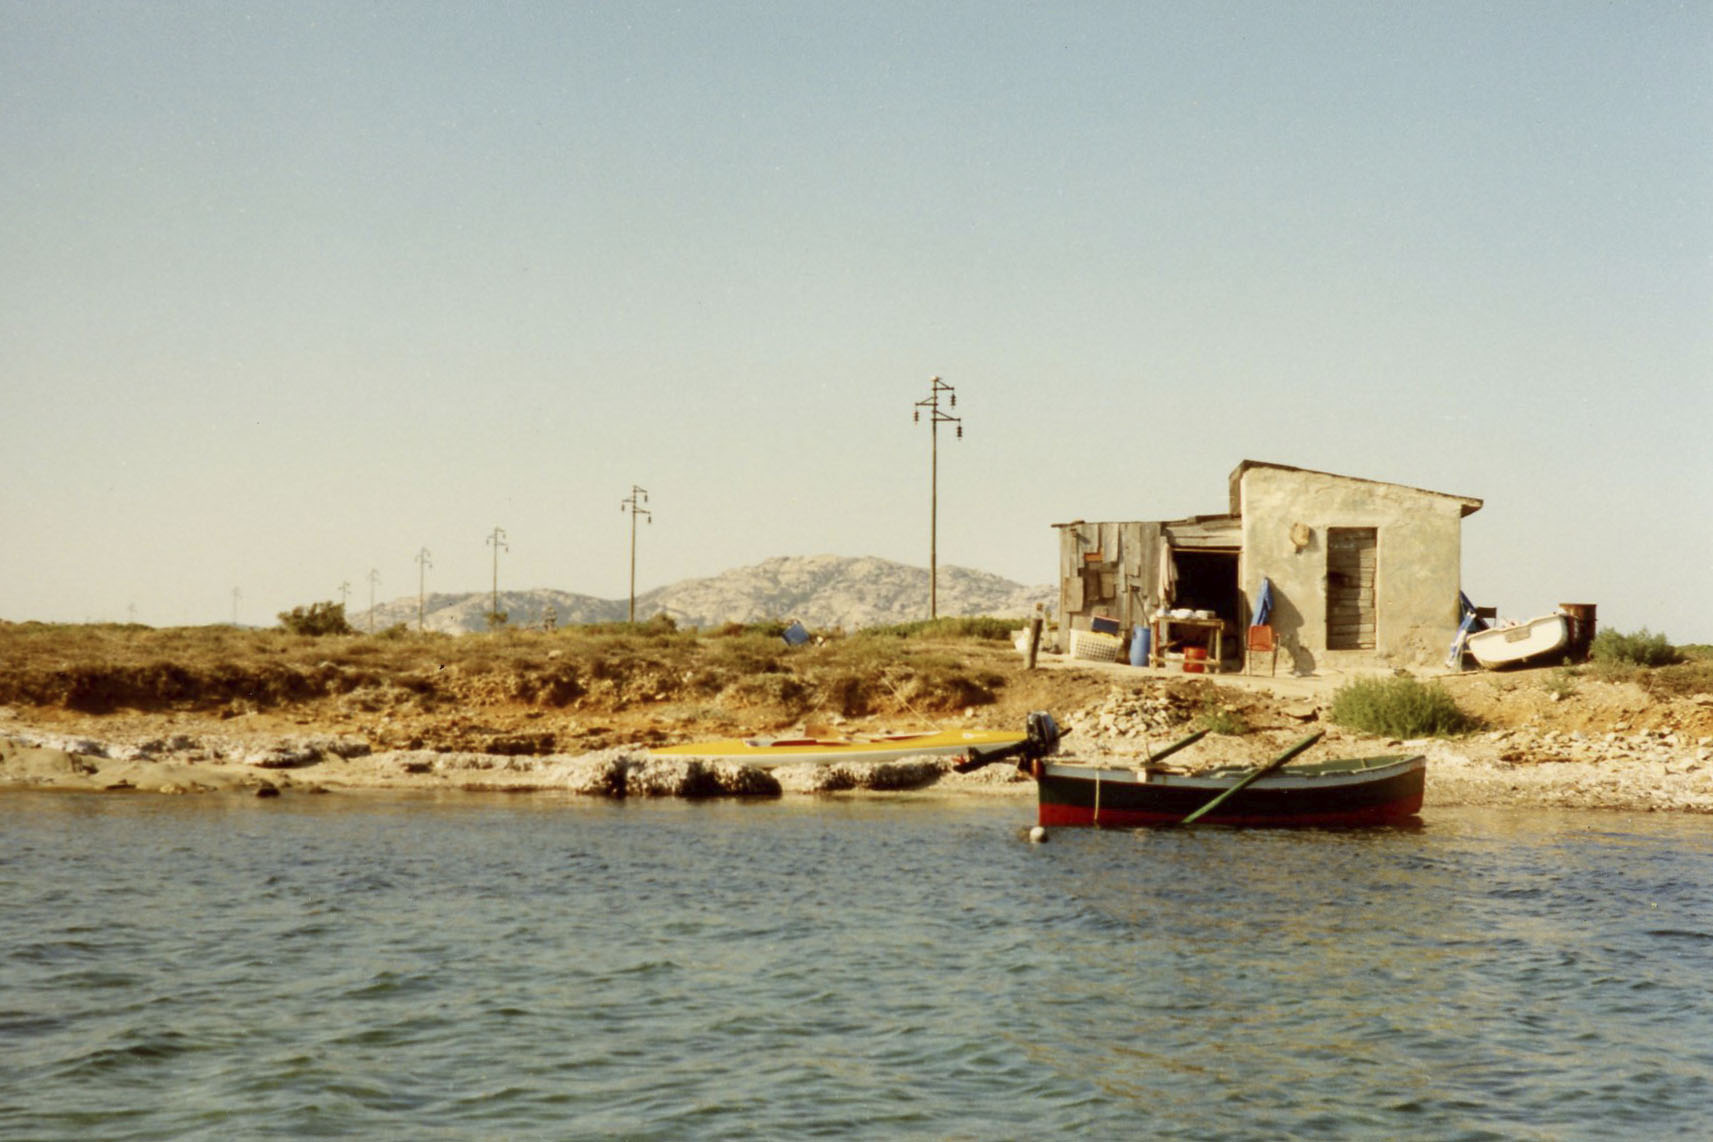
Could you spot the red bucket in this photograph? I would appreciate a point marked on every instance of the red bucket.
(1195, 659)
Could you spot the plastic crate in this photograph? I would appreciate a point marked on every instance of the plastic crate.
(1092, 646)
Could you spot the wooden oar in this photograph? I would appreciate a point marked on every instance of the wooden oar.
(1176, 746)
(1252, 776)
(979, 756)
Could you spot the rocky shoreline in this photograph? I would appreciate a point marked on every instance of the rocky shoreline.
(32, 760)
(1644, 771)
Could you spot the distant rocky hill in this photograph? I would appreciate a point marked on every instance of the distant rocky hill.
(822, 591)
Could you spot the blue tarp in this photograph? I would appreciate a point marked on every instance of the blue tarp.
(1466, 610)
(1264, 605)
(795, 635)
(1471, 623)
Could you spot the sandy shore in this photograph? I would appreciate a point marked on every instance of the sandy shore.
(1646, 771)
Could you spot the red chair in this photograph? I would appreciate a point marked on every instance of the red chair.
(1260, 640)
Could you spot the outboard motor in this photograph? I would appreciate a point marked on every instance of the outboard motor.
(1041, 736)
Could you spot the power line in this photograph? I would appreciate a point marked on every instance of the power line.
(936, 417)
(423, 563)
(631, 504)
(497, 541)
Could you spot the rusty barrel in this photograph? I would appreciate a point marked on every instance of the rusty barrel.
(1581, 621)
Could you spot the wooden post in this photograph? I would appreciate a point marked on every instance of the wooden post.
(1034, 636)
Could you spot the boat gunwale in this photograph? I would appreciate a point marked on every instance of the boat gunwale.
(1352, 771)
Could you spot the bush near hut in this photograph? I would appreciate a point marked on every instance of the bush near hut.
(1641, 648)
(1399, 707)
(1651, 662)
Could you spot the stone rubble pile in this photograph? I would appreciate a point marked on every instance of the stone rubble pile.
(1667, 747)
(1128, 722)
(1649, 770)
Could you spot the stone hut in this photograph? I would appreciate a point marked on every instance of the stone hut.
(1359, 572)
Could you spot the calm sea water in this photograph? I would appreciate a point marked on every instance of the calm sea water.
(546, 968)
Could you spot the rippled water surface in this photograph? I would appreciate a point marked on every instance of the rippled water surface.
(545, 968)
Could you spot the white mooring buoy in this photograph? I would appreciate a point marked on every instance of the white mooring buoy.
(1038, 835)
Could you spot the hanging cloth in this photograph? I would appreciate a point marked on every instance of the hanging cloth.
(1168, 574)
(1264, 604)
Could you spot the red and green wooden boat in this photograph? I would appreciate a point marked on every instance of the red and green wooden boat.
(1342, 792)
(1335, 793)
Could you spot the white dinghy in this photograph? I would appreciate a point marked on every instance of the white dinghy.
(1521, 643)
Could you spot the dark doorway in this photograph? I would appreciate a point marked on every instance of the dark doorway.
(1207, 581)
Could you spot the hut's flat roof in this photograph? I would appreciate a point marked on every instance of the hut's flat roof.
(1470, 504)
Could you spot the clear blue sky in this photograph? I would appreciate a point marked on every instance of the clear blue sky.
(289, 291)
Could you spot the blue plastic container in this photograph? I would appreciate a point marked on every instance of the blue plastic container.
(1139, 644)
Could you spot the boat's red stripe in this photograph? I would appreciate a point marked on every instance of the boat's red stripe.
(1063, 816)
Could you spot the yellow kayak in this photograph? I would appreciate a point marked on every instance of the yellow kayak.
(875, 747)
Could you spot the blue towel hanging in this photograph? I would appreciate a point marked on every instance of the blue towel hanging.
(1264, 605)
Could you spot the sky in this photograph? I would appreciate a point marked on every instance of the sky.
(290, 292)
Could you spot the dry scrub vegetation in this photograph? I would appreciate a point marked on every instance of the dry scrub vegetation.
(580, 687)
(591, 687)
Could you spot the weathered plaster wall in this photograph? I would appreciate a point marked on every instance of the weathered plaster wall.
(1418, 572)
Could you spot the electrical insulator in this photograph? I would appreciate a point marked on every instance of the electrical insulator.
(954, 400)
(960, 432)
(916, 417)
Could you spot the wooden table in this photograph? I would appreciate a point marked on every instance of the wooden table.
(1163, 625)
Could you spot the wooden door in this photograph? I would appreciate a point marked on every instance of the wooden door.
(1350, 561)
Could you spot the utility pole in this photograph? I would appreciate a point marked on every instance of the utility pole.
(344, 593)
(423, 563)
(374, 577)
(632, 504)
(935, 418)
(497, 541)
(236, 594)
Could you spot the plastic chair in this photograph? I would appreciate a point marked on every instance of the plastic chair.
(1260, 640)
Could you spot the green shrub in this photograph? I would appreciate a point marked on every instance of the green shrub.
(969, 626)
(1639, 649)
(1398, 707)
(657, 627)
(316, 619)
(1216, 718)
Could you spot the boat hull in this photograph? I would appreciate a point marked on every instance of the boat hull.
(826, 751)
(1335, 794)
(1519, 645)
